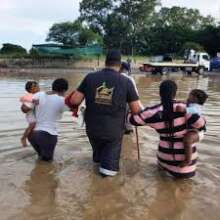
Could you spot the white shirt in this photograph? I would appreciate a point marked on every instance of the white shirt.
(194, 108)
(48, 112)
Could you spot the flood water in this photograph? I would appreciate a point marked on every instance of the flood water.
(70, 189)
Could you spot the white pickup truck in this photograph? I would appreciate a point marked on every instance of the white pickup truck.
(198, 62)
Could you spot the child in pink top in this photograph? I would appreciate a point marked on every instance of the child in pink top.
(31, 87)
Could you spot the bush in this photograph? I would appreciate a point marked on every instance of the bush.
(13, 50)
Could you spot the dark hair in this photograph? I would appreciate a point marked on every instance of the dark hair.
(125, 66)
(200, 95)
(113, 57)
(60, 85)
(168, 90)
(29, 85)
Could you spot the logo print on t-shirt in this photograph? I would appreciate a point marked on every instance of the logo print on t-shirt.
(104, 95)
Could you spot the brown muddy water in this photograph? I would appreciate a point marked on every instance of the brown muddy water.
(70, 189)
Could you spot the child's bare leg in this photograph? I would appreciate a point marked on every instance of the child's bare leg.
(190, 138)
(23, 139)
(27, 132)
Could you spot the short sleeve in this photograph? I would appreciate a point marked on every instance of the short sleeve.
(132, 93)
(191, 110)
(83, 86)
(37, 95)
(65, 108)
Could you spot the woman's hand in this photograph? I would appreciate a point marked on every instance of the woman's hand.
(184, 163)
(180, 108)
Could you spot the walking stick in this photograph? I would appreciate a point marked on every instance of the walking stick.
(137, 142)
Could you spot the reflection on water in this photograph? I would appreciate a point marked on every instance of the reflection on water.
(41, 188)
(179, 194)
(70, 189)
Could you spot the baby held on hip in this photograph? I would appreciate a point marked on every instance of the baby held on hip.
(27, 101)
(195, 101)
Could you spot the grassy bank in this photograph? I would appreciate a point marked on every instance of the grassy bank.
(62, 63)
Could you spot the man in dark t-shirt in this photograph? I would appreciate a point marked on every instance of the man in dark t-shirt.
(106, 93)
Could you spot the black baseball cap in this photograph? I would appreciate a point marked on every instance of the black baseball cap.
(113, 57)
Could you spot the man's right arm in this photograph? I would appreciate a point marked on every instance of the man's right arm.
(136, 106)
(133, 98)
(77, 98)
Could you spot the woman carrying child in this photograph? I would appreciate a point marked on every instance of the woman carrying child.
(171, 126)
(195, 102)
(49, 108)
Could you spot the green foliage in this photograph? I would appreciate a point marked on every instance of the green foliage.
(192, 45)
(171, 29)
(13, 50)
(209, 37)
(34, 53)
(135, 27)
(119, 21)
(96, 12)
(187, 19)
(115, 32)
(73, 34)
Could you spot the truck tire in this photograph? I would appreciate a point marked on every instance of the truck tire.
(188, 70)
(154, 72)
(189, 73)
(201, 70)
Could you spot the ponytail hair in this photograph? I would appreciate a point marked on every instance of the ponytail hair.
(168, 90)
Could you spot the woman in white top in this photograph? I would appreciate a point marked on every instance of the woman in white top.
(48, 111)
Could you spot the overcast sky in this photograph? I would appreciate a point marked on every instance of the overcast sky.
(27, 22)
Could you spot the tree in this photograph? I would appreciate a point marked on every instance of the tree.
(89, 37)
(161, 40)
(192, 45)
(115, 33)
(135, 25)
(74, 34)
(34, 53)
(209, 37)
(12, 49)
(137, 14)
(96, 12)
(188, 19)
(171, 28)
(119, 21)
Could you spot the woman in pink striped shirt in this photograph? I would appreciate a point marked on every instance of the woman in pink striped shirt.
(171, 126)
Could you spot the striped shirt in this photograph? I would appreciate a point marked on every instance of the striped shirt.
(171, 149)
